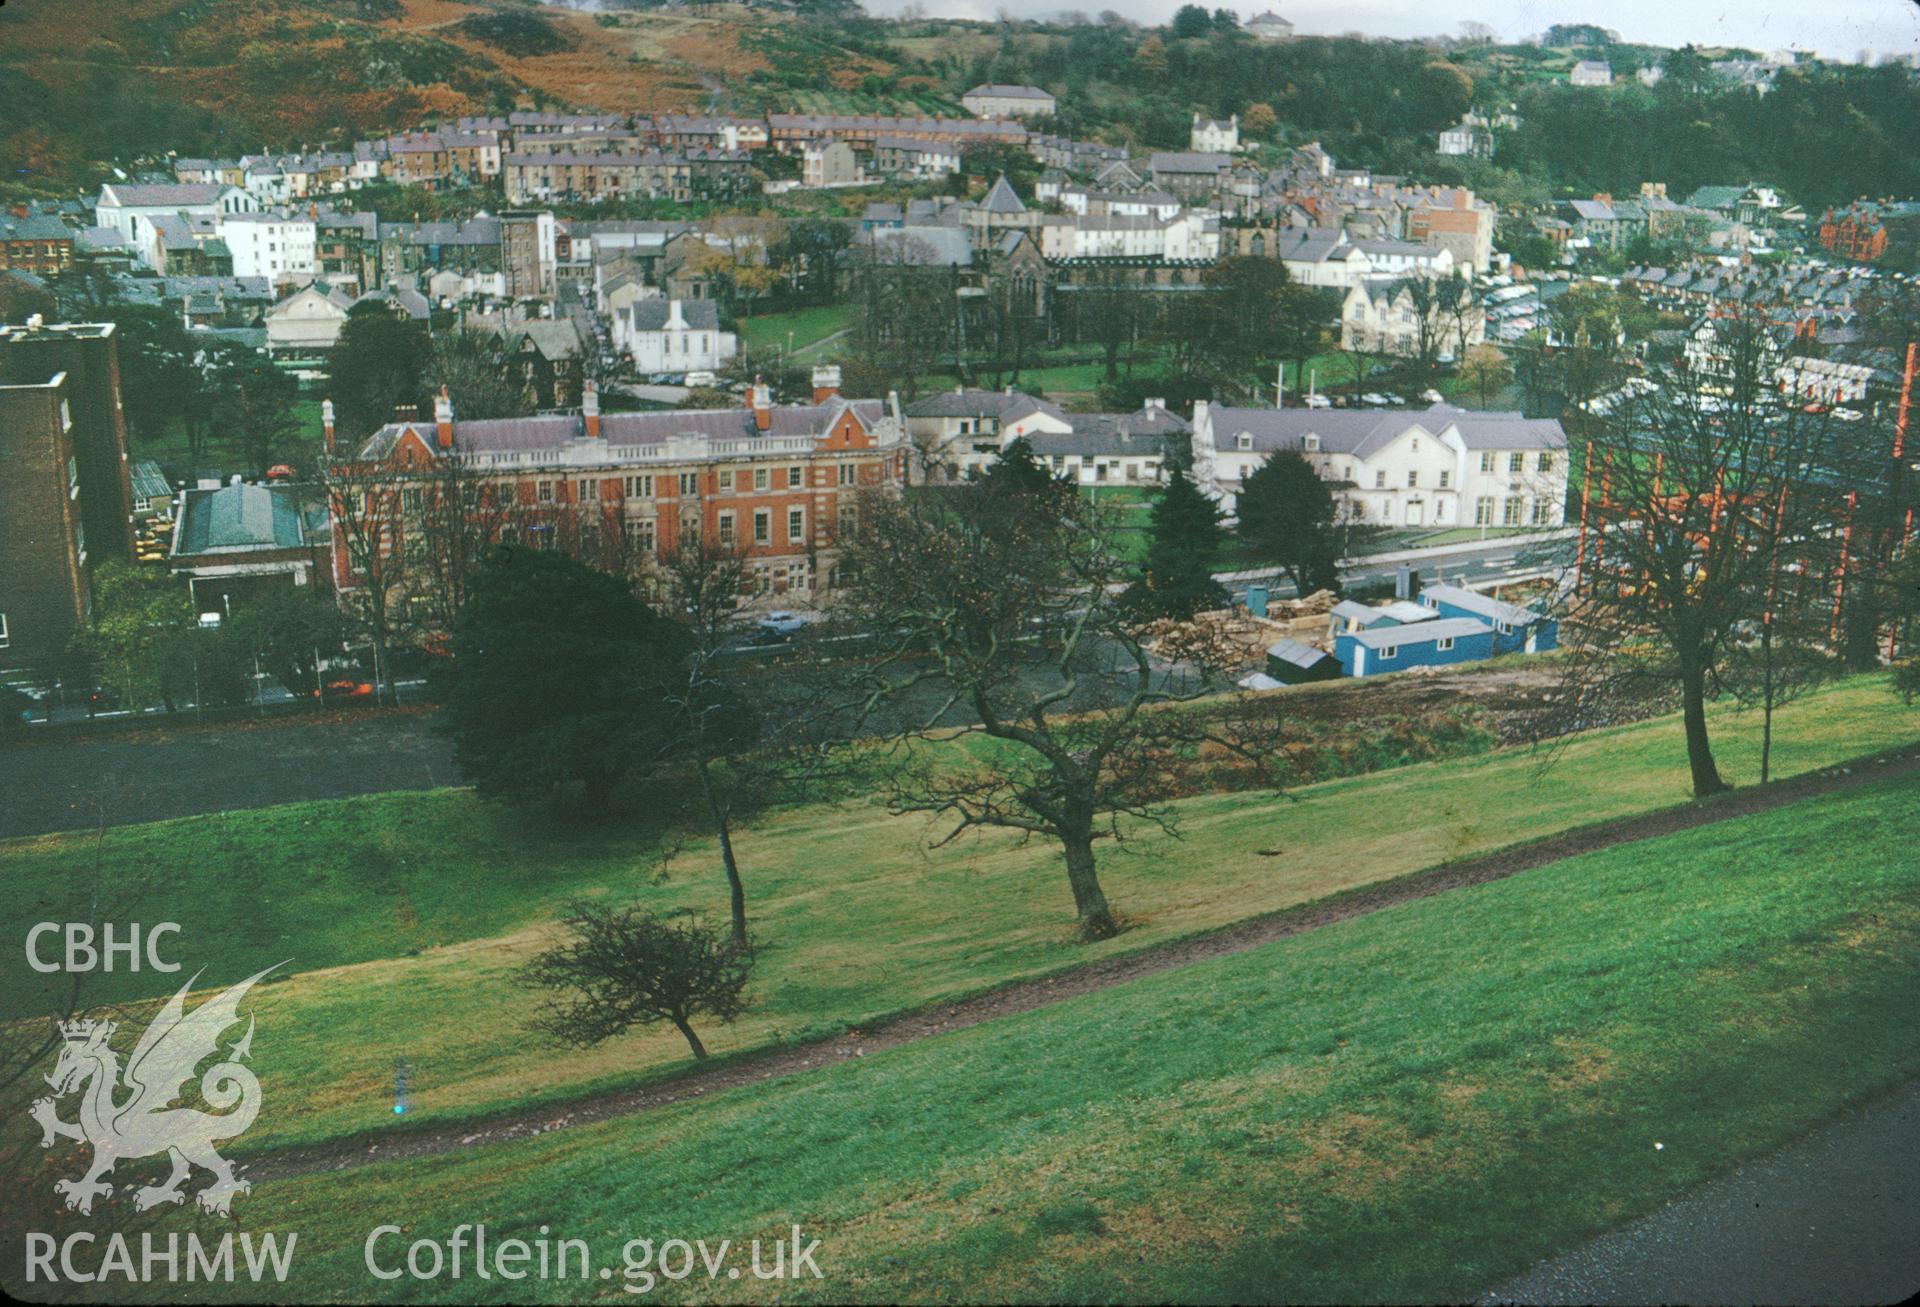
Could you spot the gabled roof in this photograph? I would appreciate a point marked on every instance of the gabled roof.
(1360, 433)
(968, 402)
(177, 194)
(652, 314)
(1002, 199)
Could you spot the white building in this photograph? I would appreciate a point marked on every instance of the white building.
(1382, 314)
(666, 335)
(308, 321)
(1211, 136)
(276, 246)
(995, 101)
(119, 203)
(960, 432)
(1591, 72)
(1444, 466)
(1269, 27)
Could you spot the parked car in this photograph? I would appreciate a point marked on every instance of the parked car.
(1432, 396)
(1317, 401)
(782, 622)
(693, 379)
(1374, 399)
(1847, 415)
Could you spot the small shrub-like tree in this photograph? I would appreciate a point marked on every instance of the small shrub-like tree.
(626, 967)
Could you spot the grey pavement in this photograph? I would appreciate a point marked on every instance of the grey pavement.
(1834, 1218)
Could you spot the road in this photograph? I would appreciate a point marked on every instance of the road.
(1834, 1218)
(1476, 564)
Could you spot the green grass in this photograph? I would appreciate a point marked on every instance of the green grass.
(403, 916)
(769, 330)
(1408, 1106)
(169, 448)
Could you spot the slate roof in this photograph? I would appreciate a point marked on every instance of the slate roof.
(1008, 92)
(972, 402)
(181, 194)
(35, 228)
(651, 314)
(623, 430)
(1361, 433)
(1002, 199)
(1189, 161)
(920, 246)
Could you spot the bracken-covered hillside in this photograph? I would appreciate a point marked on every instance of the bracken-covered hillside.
(228, 76)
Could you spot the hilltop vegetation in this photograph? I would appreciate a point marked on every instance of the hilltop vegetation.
(169, 74)
(226, 76)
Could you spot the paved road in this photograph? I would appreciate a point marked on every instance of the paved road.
(1832, 1219)
(1481, 564)
(75, 782)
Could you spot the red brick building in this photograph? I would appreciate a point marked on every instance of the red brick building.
(1857, 232)
(780, 482)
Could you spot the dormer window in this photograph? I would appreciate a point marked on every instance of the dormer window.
(1312, 444)
(1243, 441)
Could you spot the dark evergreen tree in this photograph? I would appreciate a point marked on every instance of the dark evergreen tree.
(1184, 539)
(559, 675)
(1287, 518)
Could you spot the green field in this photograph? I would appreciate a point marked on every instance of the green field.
(770, 331)
(1407, 1106)
(403, 916)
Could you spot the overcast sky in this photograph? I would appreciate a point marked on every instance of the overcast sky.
(1836, 29)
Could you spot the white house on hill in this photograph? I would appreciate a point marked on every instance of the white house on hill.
(1440, 467)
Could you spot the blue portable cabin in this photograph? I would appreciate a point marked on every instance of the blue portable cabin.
(1514, 628)
(1437, 643)
(1349, 615)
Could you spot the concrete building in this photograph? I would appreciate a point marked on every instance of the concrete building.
(277, 246)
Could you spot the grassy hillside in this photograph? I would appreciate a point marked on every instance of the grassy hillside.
(405, 915)
(228, 76)
(1409, 1106)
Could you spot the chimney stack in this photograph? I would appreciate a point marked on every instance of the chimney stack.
(826, 383)
(760, 399)
(590, 409)
(326, 423)
(443, 419)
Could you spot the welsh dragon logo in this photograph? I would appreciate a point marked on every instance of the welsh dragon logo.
(144, 1123)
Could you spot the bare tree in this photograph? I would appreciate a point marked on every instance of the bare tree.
(366, 498)
(993, 608)
(1694, 493)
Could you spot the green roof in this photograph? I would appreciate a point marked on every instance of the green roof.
(240, 517)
